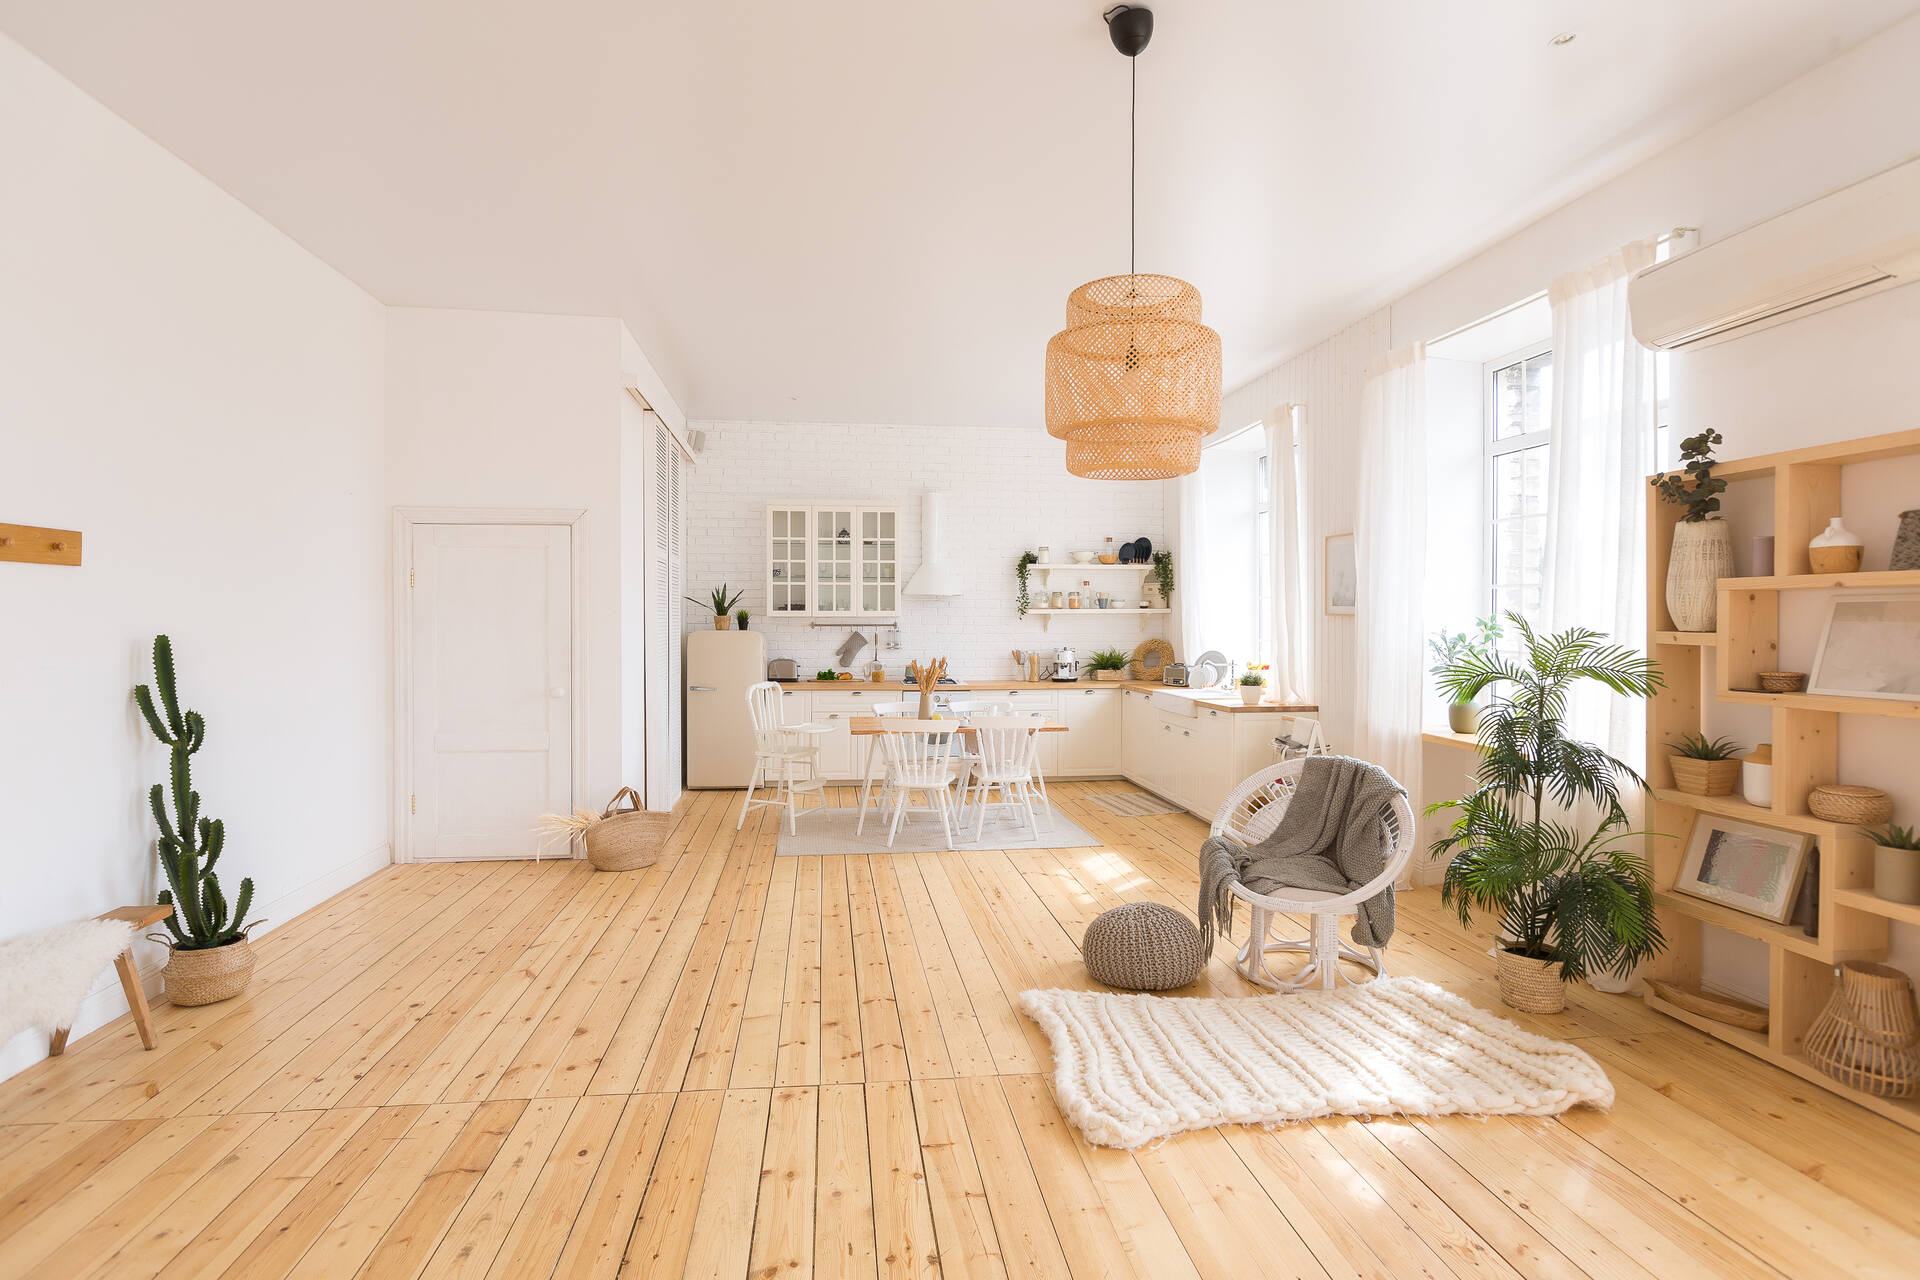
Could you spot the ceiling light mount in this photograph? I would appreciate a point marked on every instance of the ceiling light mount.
(1565, 37)
(1130, 26)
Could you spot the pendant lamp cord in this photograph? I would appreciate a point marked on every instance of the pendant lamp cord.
(1133, 161)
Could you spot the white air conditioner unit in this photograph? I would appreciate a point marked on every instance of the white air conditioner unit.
(1844, 245)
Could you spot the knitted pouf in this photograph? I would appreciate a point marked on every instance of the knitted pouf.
(1143, 946)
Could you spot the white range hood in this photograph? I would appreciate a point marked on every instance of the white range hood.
(934, 577)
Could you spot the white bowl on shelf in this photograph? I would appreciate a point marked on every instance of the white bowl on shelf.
(1081, 557)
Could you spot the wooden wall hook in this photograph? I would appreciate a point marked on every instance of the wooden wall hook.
(30, 544)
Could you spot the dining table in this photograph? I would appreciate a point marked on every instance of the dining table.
(870, 728)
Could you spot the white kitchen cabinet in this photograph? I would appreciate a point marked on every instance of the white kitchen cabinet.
(1136, 731)
(841, 754)
(833, 560)
(1091, 744)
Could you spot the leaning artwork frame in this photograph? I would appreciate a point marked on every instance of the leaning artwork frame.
(1341, 581)
(1743, 865)
(1870, 647)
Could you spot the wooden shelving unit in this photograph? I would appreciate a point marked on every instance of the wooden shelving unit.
(1805, 735)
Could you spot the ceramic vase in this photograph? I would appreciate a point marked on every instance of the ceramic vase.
(1837, 550)
(1906, 543)
(1463, 717)
(1702, 555)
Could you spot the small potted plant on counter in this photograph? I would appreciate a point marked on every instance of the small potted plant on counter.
(1253, 684)
(1446, 647)
(722, 602)
(1704, 766)
(1109, 664)
(1896, 864)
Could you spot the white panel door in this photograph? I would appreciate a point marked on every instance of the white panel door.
(491, 665)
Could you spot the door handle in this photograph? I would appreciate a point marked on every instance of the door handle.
(700, 688)
(558, 691)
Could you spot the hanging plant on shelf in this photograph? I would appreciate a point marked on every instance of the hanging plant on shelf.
(1702, 543)
(1024, 601)
(1163, 576)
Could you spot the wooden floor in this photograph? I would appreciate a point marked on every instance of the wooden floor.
(732, 1064)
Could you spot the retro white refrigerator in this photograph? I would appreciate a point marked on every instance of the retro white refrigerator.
(721, 665)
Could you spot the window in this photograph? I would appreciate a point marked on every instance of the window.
(1263, 586)
(1519, 400)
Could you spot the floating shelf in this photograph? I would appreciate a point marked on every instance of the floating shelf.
(1830, 702)
(1047, 616)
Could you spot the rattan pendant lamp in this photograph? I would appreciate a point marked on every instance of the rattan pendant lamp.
(1133, 381)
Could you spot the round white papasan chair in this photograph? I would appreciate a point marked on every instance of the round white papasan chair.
(1248, 816)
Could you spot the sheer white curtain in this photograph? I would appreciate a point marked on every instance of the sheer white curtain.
(1605, 415)
(1189, 554)
(1390, 552)
(1292, 673)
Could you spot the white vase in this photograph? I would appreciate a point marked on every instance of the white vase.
(1837, 549)
(1702, 555)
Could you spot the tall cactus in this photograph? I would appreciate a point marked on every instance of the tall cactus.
(200, 918)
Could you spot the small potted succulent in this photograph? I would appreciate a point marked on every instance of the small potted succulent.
(1896, 864)
(1108, 664)
(722, 602)
(1704, 766)
(1253, 684)
(740, 618)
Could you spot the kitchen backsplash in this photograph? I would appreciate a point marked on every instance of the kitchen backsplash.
(1009, 492)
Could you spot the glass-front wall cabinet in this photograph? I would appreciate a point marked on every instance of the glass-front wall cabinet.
(833, 560)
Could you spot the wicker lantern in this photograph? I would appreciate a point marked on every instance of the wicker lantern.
(1133, 381)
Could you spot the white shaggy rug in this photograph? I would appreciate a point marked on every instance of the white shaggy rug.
(1133, 1068)
(44, 976)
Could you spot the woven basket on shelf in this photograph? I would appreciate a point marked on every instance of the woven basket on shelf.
(208, 975)
(1782, 681)
(1867, 1036)
(1705, 777)
(1838, 802)
(626, 839)
(1531, 986)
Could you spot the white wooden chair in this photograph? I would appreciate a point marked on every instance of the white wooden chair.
(785, 760)
(1248, 816)
(919, 759)
(1005, 747)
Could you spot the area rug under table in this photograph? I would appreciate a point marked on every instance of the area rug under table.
(1134, 1068)
(826, 831)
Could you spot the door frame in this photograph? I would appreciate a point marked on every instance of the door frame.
(404, 521)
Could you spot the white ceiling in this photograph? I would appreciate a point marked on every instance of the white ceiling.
(873, 212)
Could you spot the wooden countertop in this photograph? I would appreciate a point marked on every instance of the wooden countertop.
(899, 691)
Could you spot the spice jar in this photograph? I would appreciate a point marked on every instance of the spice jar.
(1073, 599)
(1059, 600)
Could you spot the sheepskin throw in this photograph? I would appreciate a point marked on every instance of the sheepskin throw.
(1142, 946)
(1131, 1069)
(44, 976)
(1333, 837)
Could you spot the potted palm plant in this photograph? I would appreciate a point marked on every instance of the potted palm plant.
(209, 956)
(1570, 904)
(723, 602)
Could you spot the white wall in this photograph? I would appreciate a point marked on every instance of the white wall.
(497, 409)
(1845, 373)
(202, 399)
(1010, 493)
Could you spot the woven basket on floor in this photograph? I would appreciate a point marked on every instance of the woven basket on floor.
(1838, 802)
(626, 839)
(206, 976)
(1531, 986)
(1868, 1036)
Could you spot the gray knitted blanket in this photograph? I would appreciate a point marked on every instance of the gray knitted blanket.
(1333, 837)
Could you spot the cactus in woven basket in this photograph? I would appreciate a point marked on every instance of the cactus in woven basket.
(190, 844)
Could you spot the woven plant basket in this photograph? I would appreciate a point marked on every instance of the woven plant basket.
(209, 975)
(1867, 1036)
(1531, 986)
(1705, 777)
(1121, 674)
(626, 839)
(1838, 802)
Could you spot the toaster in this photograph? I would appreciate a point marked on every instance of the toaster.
(783, 669)
(1174, 673)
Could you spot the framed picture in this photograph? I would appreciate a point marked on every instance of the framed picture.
(1870, 648)
(1342, 579)
(1749, 868)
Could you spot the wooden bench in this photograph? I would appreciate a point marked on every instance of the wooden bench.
(140, 918)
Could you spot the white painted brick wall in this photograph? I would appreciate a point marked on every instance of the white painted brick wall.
(1010, 492)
